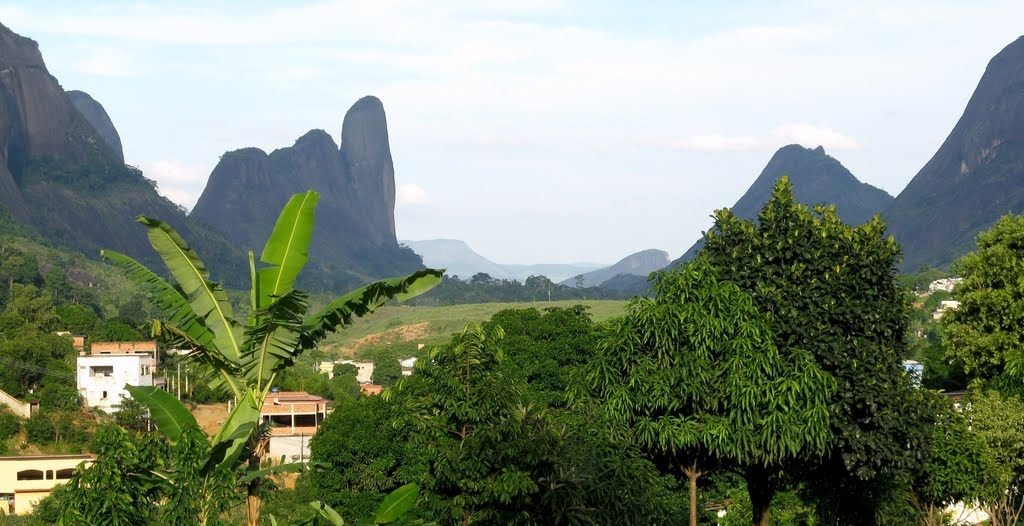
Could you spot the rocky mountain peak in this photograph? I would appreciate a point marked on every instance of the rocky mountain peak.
(817, 178)
(976, 175)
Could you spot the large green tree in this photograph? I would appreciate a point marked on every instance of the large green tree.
(998, 420)
(244, 356)
(696, 377)
(986, 332)
(485, 446)
(955, 469)
(831, 290)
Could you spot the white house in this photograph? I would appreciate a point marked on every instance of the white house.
(104, 372)
(408, 365)
(364, 374)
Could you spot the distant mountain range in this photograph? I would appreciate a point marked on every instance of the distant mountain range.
(817, 178)
(462, 261)
(976, 176)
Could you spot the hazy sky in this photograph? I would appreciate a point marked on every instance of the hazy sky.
(536, 131)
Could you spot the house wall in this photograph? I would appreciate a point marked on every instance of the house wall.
(135, 369)
(26, 493)
(294, 448)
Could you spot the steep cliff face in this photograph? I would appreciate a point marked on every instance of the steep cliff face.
(817, 178)
(976, 176)
(61, 177)
(97, 116)
(638, 264)
(355, 230)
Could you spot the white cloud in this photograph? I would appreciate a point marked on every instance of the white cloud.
(178, 181)
(411, 194)
(802, 133)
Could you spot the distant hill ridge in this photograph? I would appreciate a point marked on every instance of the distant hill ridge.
(817, 178)
(460, 260)
(637, 264)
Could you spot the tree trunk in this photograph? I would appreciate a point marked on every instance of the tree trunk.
(253, 501)
(692, 474)
(761, 490)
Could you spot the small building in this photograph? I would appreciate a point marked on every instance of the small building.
(945, 284)
(103, 373)
(364, 373)
(408, 365)
(294, 417)
(371, 389)
(944, 306)
(24, 481)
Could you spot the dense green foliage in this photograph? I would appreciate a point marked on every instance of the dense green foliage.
(696, 378)
(985, 333)
(831, 290)
(241, 356)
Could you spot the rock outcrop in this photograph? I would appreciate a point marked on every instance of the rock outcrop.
(817, 178)
(355, 229)
(97, 116)
(59, 175)
(976, 176)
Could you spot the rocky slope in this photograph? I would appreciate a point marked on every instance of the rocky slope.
(59, 175)
(97, 116)
(817, 178)
(638, 264)
(976, 176)
(355, 229)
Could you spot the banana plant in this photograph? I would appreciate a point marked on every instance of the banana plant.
(245, 356)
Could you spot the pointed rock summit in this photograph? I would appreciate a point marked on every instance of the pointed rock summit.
(976, 176)
(817, 178)
(355, 228)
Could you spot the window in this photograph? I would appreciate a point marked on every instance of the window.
(30, 474)
(104, 394)
(65, 474)
(106, 371)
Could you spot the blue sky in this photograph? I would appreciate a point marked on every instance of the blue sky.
(537, 131)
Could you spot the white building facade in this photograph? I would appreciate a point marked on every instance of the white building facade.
(102, 375)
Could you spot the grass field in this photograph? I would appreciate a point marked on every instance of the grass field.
(432, 325)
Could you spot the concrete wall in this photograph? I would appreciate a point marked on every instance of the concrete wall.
(22, 409)
(289, 446)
